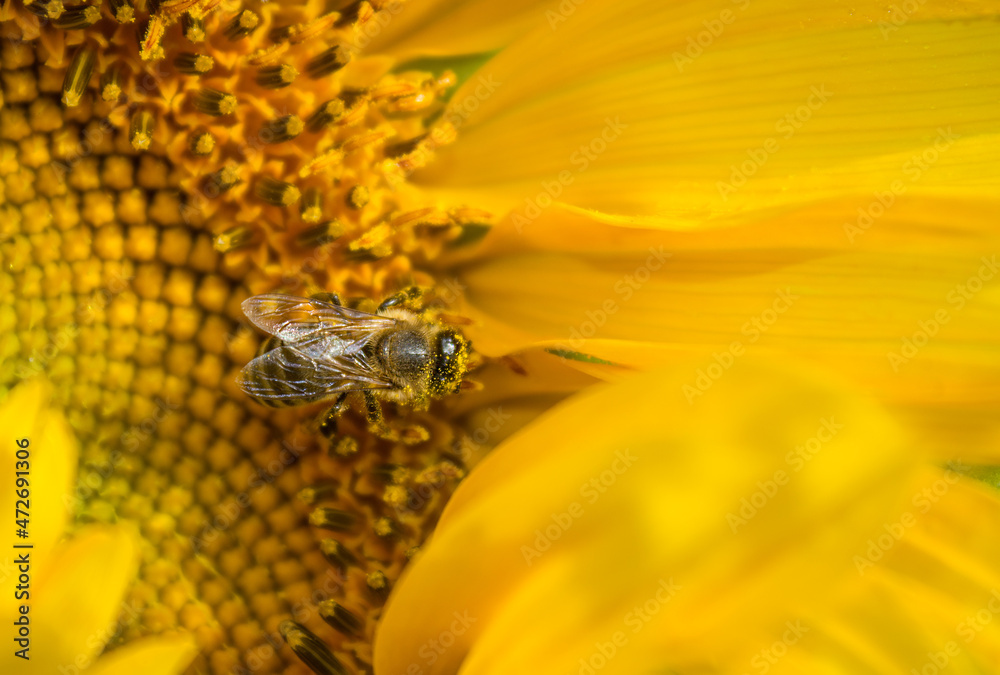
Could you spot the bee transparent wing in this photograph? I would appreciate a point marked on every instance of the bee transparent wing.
(313, 326)
(287, 374)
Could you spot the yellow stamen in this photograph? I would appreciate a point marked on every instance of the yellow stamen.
(122, 11)
(328, 62)
(77, 18)
(276, 192)
(311, 207)
(141, 130)
(193, 64)
(78, 75)
(193, 28)
(202, 143)
(337, 554)
(242, 25)
(151, 33)
(224, 179)
(50, 9)
(313, 652)
(111, 84)
(276, 77)
(340, 618)
(236, 237)
(327, 114)
(357, 197)
(214, 102)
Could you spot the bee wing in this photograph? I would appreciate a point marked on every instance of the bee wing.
(313, 326)
(285, 373)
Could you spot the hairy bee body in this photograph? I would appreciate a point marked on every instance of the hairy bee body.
(320, 351)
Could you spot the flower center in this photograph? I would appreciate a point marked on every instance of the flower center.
(150, 186)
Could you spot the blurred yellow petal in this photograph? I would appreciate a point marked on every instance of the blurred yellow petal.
(666, 532)
(778, 104)
(79, 597)
(937, 552)
(48, 469)
(152, 656)
(448, 27)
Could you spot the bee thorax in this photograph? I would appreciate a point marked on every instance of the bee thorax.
(405, 354)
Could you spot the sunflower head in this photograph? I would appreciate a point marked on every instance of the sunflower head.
(147, 188)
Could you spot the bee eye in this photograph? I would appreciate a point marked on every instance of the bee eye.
(452, 352)
(449, 345)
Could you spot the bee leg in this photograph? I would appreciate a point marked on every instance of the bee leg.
(344, 445)
(332, 298)
(328, 426)
(406, 297)
(409, 435)
(373, 412)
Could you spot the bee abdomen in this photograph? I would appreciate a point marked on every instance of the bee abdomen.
(276, 388)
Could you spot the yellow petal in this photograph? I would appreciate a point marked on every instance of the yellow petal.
(574, 528)
(78, 600)
(785, 105)
(155, 656)
(922, 278)
(49, 466)
(938, 553)
(448, 27)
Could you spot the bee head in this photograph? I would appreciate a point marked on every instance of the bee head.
(451, 358)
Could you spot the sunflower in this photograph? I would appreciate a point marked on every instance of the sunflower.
(68, 596)
(594, 188)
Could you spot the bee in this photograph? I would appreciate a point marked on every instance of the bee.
(323, 351)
